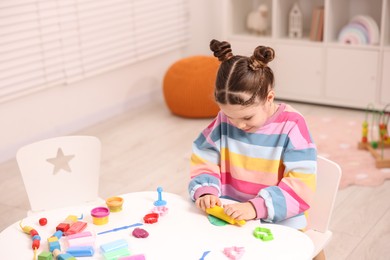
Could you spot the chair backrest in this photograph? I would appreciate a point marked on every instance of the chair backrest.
(328, 179)
(60, 171)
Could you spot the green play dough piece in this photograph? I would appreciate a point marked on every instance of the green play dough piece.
(216, 221)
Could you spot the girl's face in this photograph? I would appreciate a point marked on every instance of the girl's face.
(249, 118)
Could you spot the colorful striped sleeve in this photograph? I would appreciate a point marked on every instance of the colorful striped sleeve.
(293, 195)
(205, 163)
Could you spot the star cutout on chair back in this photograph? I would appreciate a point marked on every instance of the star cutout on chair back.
(61, 161)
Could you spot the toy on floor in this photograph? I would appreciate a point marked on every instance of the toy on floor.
(375, 136)
(218, 212)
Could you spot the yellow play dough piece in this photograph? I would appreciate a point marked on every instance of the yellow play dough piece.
(218, 212)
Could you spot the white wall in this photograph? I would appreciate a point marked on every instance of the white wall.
(66, 109)
(206, 24)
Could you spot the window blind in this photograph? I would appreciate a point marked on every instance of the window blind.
(46, 43)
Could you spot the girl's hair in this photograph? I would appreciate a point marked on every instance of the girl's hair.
(240, 74)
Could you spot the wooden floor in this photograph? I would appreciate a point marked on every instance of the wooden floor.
(148, 147)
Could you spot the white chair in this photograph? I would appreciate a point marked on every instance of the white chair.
(60, 172)
(328, 179)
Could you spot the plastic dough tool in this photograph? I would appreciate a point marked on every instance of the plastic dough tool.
(218, 212)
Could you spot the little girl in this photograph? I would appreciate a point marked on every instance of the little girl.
(255, 151)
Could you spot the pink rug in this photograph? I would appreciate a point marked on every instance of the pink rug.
(337, 139)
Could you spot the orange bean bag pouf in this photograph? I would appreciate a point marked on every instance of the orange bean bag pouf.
(188, 87)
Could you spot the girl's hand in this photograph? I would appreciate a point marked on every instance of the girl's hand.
(240, 211)
(207, 201)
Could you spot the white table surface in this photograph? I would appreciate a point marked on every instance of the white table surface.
(184, 233)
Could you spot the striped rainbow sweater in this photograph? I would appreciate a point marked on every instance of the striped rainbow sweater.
(274, 168)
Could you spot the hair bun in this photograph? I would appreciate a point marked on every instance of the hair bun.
(261, 57)
(222, 50)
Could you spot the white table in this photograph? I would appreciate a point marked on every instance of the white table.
(184, 233)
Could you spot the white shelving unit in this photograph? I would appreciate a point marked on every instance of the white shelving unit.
(324, 72)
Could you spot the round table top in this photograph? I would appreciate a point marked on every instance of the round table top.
(183, 232)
